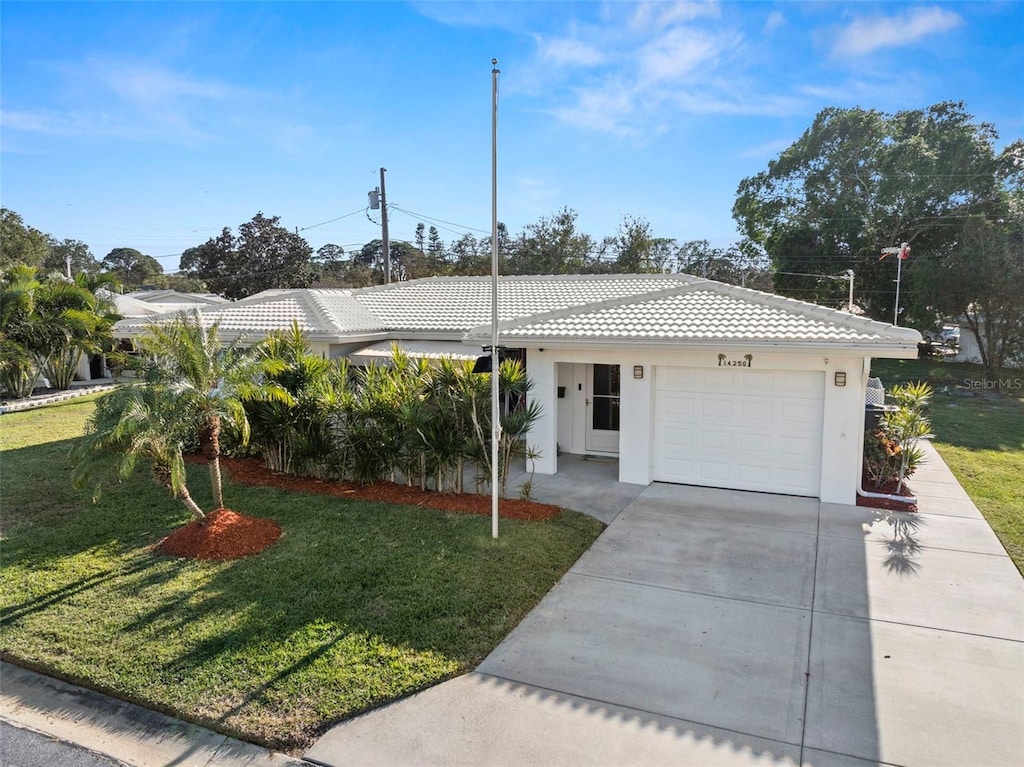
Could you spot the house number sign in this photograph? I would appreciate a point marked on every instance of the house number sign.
(746, 361)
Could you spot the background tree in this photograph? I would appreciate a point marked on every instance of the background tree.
(436, 256)
(132, 268)
(61, 251)
(264, 255)
(329, 267)
(859, 180)
(19, 243)
(741, 264)
(979, 278)
(638, 251)
(553, 245)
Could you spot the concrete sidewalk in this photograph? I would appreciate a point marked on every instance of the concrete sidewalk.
(711, 627)
(127, 733)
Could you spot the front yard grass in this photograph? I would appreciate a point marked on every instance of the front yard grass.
(356, 605)
(980, 437)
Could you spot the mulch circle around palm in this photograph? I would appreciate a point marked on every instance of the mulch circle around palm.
(229, 535)
(224, 534)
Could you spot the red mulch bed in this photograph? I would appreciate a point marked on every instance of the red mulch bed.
(250, 471)
(882, 503)
(222, 535)
(228, 535)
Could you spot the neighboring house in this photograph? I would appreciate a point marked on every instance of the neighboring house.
(685, 379)
(143, 305)
(172, 300)
(968, 350)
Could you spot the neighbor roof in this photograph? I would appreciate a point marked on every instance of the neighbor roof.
(699, 313)
(331, 314)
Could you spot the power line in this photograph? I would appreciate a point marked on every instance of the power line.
(322, 223)
(436, 220)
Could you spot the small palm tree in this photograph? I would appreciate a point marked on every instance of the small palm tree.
(132, 423)
(207, 381)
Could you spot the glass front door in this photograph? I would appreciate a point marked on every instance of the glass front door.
(603, 408)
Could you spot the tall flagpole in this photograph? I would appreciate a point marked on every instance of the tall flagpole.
(495, 356)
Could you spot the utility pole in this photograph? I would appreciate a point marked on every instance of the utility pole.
(849, 304)
(379, 201)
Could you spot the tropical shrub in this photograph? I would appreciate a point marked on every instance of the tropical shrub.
(891, 452)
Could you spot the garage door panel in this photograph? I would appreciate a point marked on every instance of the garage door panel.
(750, 430)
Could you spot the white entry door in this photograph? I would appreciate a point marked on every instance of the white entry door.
(739, 428)
(602, 409)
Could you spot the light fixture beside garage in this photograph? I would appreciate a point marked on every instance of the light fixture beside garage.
(840, 378)
(638, 371)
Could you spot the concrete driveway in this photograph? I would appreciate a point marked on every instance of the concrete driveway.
(713, 627)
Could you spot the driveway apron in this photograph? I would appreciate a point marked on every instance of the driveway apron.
(714, 627)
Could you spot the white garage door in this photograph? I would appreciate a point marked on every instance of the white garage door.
(739, 428)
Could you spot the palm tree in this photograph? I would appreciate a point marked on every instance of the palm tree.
(68, 320)
(298, 436)
(19, 370)
(207, 381)
(137, 422)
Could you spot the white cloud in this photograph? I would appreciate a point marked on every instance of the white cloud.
(865, 36)
(774, 21)
(658, 15)
(569, 52)
(678, 52)
(765, 150)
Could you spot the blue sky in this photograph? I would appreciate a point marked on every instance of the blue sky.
(153, 125)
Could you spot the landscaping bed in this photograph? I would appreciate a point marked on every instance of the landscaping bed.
(979, 433)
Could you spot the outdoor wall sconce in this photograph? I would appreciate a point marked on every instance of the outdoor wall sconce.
(638, 371)
(840, 378)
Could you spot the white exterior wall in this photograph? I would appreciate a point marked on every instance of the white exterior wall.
(842, 421)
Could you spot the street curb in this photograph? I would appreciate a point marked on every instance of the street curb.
(122, 731)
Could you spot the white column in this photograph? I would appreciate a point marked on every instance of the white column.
(543, 436)
(842, 431)
(635, 425)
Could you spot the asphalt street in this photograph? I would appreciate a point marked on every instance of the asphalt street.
(25, 748)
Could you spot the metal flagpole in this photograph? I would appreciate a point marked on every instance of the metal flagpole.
(901, 253)
(495, 356)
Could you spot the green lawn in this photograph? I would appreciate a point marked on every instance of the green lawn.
(981, 438)
(356, 605)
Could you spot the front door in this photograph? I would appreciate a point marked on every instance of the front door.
(602, 408)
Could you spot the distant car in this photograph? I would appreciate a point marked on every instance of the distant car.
(947, 335)
(951, 335)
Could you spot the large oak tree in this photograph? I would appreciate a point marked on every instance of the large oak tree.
(859, 180)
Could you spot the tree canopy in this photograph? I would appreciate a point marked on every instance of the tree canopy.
(133, 268)
(859, 180)
(264, 255)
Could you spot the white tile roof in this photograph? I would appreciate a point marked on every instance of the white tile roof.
(331, 313)
(674, 309)
(460, 303)
(702, 312)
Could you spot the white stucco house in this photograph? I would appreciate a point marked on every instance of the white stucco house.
(684, 379)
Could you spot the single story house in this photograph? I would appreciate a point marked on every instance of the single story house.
(684, 379)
